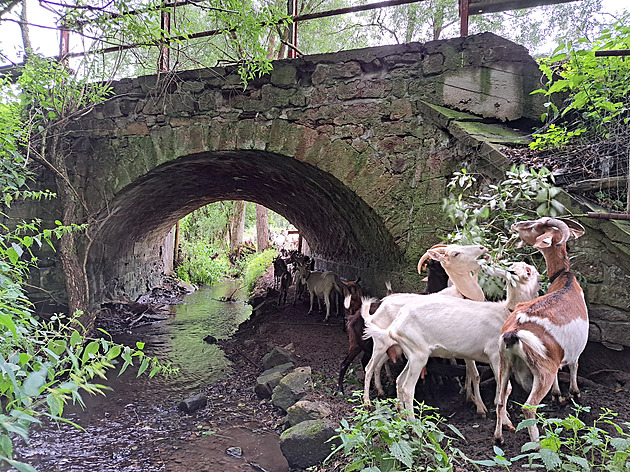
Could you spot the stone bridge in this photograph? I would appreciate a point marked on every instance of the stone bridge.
(354, 148)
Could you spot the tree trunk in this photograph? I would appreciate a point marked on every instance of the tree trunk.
(262, 228)
(26, 36)
(72, 245)
(237, 225)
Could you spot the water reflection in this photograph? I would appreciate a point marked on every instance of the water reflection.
(180, 340)
(123, 429)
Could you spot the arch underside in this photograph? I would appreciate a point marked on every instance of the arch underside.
(337, 224)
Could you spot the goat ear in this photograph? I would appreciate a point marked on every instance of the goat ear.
(544, 240)
(576, 229)
(435, 255)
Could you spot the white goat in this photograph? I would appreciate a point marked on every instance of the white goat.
(455, 328)
(461, 263)
(320, 284)
(548, 332)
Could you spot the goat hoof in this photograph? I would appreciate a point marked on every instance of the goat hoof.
(499, 441)
(558, 399)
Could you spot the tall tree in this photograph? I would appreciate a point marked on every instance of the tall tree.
(262, 228)
(237, 225)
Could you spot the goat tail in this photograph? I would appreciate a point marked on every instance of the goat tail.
(516, 340)
(366, 304)
(375, 332)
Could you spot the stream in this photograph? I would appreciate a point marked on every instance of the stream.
(137, 426)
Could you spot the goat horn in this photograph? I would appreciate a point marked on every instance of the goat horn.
(438, 248)
(423, 259)
(573, 225)
(563, 227)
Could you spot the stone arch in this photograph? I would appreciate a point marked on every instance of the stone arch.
(341, 229)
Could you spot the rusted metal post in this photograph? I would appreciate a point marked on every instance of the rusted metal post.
(608, 216)
(292, 30)
(64, 44)
(164, 58)
(463, 13)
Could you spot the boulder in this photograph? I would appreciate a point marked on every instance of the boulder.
(305, 411)
(277, 356)
(292, 387)
(269, 379)
(305, 444)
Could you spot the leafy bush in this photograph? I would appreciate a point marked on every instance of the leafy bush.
(43, 364)
(597, 89)
(482, 212)
(569, 444)
(256, 266)
(382, 440)
(202, 264)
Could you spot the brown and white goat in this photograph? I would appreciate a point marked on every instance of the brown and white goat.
(547, 333)
(461, 263)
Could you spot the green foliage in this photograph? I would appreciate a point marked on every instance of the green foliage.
(569, 444)
(202, 264)
(209, 224)
(482, 212)
(383, 440)
(44, 364)
(554, 137)
(256, 265)
(597, 89)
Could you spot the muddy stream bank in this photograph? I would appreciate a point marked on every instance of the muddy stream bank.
(138, 427)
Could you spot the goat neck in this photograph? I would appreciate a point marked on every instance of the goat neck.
(467, 286)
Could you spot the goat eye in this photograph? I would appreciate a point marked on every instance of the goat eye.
(455, 254)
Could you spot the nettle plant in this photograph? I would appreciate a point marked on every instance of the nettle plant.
(483, 212)
(570, 444)
(382, 440)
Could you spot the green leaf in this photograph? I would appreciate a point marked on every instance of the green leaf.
(7, 321)
(75, 338)
(620, 444)
(403, 452)
(550, 458)
(6, 445)
(20, 466)
(559, 86)
(55, 405)
(89, 351)
(34, 382)
(581, 461)
(143, 366)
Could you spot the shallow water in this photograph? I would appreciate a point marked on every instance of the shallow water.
(126, 429)
(180, 339)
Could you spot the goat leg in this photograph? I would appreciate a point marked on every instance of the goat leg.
(354, 352)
